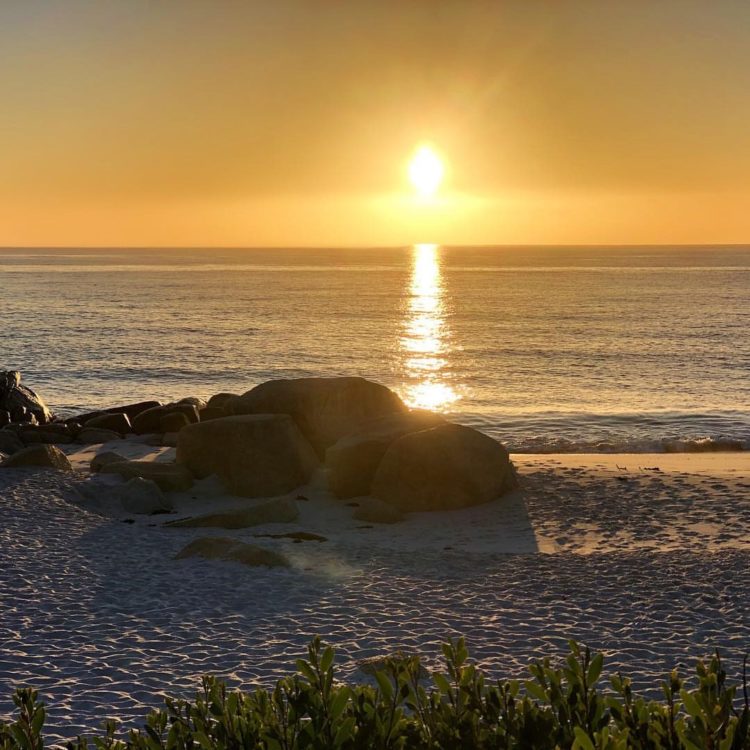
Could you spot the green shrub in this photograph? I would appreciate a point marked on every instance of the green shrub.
(558, 707)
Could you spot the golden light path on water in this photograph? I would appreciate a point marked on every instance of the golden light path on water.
(425, 340)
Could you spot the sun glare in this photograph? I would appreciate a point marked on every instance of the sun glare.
(426, 171)
(426, 336)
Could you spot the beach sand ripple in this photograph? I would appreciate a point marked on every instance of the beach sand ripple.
(97, 615)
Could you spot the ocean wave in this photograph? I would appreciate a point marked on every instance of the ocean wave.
(557, 444)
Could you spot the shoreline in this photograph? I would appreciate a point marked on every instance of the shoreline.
(721, 463)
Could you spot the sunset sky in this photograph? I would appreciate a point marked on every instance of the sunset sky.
(291, 123)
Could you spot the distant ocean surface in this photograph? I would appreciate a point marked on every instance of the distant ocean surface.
(548, 349)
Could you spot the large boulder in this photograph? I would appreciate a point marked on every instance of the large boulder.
(254, 455)
(278, 510)
(143, 496)
(10, 442)
(38, 456)
(353, 460)
(221, 548)
(170, 477)
(443, 468)
(326, 409)
(19, 401)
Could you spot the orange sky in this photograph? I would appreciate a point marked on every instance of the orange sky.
(254, 123)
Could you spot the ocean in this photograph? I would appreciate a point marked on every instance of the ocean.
(549, 349)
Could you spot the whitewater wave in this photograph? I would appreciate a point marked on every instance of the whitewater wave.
(633, 432)
(557, 444)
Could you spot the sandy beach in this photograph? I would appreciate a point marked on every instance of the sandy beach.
(643, 556)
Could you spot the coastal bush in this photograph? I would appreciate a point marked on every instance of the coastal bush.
(560, 706)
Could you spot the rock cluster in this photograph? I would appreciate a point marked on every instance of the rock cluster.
(26, 420)
(19, 403)
(271, 439)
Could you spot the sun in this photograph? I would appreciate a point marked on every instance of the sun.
(426, 171)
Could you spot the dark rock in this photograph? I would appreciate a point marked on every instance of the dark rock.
(220, 400)
(443, 468)
(220, 548)
(38, 456)
(256, 455)
(101, 460)
(353, 460)
(4, 417)
(117, 422)
(149, 421)
(169, 477)
(74, 427)
(96, 435)
(43, 434)
(62, 428)
(10, 442)
(325, 409)
(130, 410)
(212, 412)
(19, 401)
(279, 510)
(173, 422)
(195, 401)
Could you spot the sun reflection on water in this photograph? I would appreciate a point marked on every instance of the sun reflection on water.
(425, 338)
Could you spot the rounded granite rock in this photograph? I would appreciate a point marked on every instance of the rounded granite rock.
(443, 468)
(42, 456)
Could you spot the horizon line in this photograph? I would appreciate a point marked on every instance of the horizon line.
(567, 245)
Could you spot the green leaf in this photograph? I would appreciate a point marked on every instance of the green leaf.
(327, 659)
(20, 738)
(344, 732)
(38, 721)
(583, 741)
(691, 703)
(306, 670)
(442, 683)
(536, 691)
(339, 702)
(385, 684)
(595, 669)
